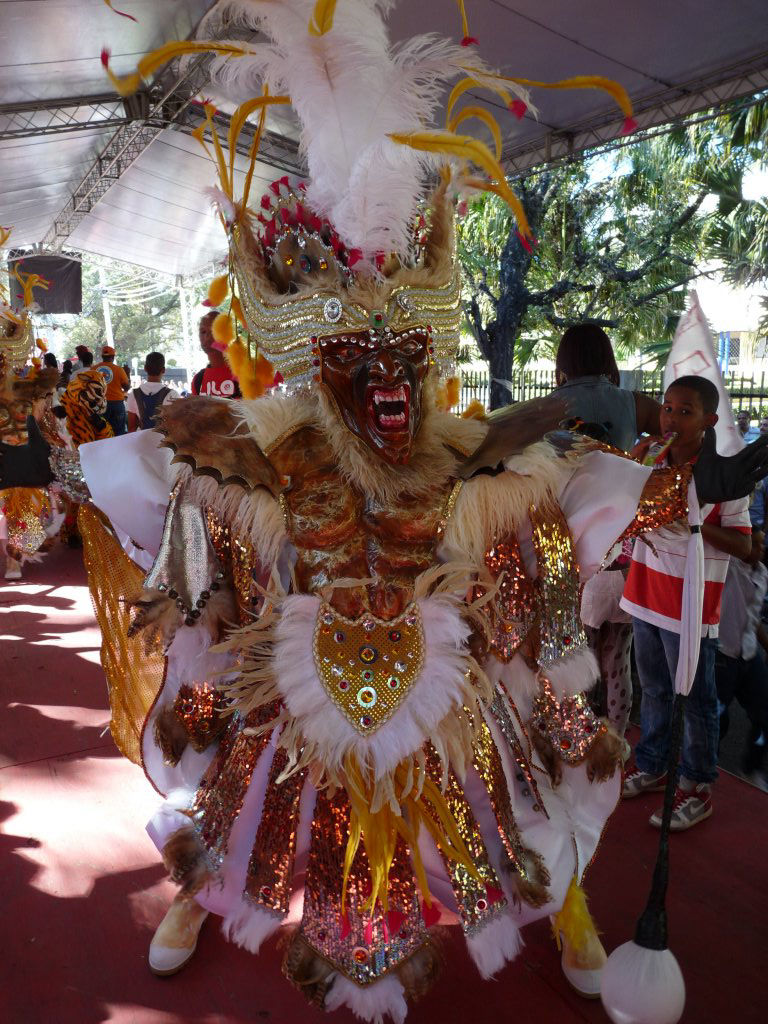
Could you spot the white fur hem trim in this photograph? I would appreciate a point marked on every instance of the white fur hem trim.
(385, 997)
(438, 688)
(495, 945)
(248, 925)
(573, 674)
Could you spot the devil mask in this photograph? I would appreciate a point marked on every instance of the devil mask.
(376, 379)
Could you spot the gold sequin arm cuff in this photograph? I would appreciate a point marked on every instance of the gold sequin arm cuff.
(664, 500)
(570, 725)
(66, 468)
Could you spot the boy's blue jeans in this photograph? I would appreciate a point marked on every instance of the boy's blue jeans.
(656, 653)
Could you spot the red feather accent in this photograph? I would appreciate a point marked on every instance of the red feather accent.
(354, 256)
(266, 202)
(395, 921)
(278, 379)
(527, 243)
(518, 108)
(344, 925)
(469, 41)
(629, 126)
(121, 13)
(368, 933)
(431, 914)
(494, 895)
(105, 55)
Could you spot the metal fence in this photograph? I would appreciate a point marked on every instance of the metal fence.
(746, 392)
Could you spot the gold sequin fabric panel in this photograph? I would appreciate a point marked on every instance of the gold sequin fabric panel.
(25, 509)
(514, 608)
(270, 869)
(362, 945)
(488, 765)
(560, 627)
(199, 709)
(664, 500)
(571, 725)
(134, 673)
(220, 795)
(478, 900)
(238, 558)
(367, 666)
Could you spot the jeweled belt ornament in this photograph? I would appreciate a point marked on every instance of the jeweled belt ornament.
(368, 665)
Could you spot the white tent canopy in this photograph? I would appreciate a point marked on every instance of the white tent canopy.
(82, 169)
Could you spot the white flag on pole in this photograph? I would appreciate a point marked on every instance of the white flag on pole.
(693, 354)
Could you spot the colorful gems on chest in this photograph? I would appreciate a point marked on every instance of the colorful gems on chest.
(355, 659)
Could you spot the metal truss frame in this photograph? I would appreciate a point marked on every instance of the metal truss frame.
(169, 104)
(657, 114)
(58, 116)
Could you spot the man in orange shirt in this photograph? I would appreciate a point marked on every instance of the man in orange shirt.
(117, 385)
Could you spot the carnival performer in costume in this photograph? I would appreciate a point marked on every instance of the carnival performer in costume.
(363, 662)
(29, 517)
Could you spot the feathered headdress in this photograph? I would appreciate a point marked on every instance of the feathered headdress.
(367, 109)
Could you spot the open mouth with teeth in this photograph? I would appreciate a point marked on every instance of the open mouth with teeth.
(390, 408)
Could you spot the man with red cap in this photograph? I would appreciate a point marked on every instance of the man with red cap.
(117, 384)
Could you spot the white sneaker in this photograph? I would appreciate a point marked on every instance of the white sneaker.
(175, 940)
(583, 970)
(12, 568)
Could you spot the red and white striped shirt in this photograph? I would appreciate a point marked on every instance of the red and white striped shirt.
(654, 589)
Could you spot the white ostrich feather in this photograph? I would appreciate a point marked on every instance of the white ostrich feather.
(350, 88)
(372, 1003)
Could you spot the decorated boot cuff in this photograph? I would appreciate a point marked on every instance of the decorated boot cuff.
(571, 726)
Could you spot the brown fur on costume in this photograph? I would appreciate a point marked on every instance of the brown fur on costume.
(206, 434)
(434, 457)
(157, 613)
(307, 971)
(170, 735)
(549, 757)
(604, 755)
(186, 861)
(421, 970)
(534, 888)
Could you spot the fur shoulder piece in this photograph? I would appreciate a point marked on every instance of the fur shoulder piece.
(208, 435)
(512, 430)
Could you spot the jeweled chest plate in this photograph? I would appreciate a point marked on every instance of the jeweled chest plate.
(367, 665)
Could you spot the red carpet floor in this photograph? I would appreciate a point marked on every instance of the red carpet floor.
(81, 888)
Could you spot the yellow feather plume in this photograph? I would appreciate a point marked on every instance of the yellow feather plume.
(322, 17)
(574, 920)
(152, 62)
(471, 82)
(474, 411)
(237, 309)
(218, 290)
(254, 376)
(223, 329)
(482, 115)
(614, 89)
(474, 151)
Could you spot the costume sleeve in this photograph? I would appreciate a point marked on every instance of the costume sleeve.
(609, 498)
(130, 480)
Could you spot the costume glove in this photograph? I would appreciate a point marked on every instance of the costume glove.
(725, 478)
(26, 465)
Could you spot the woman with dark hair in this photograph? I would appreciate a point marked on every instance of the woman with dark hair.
(588, 378)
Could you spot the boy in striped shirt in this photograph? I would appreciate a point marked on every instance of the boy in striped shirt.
(653, 597)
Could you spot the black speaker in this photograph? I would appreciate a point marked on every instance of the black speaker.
(65, 283)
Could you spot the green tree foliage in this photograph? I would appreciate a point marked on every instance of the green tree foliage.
(615, 248)
(618, 242)
(138, 327)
